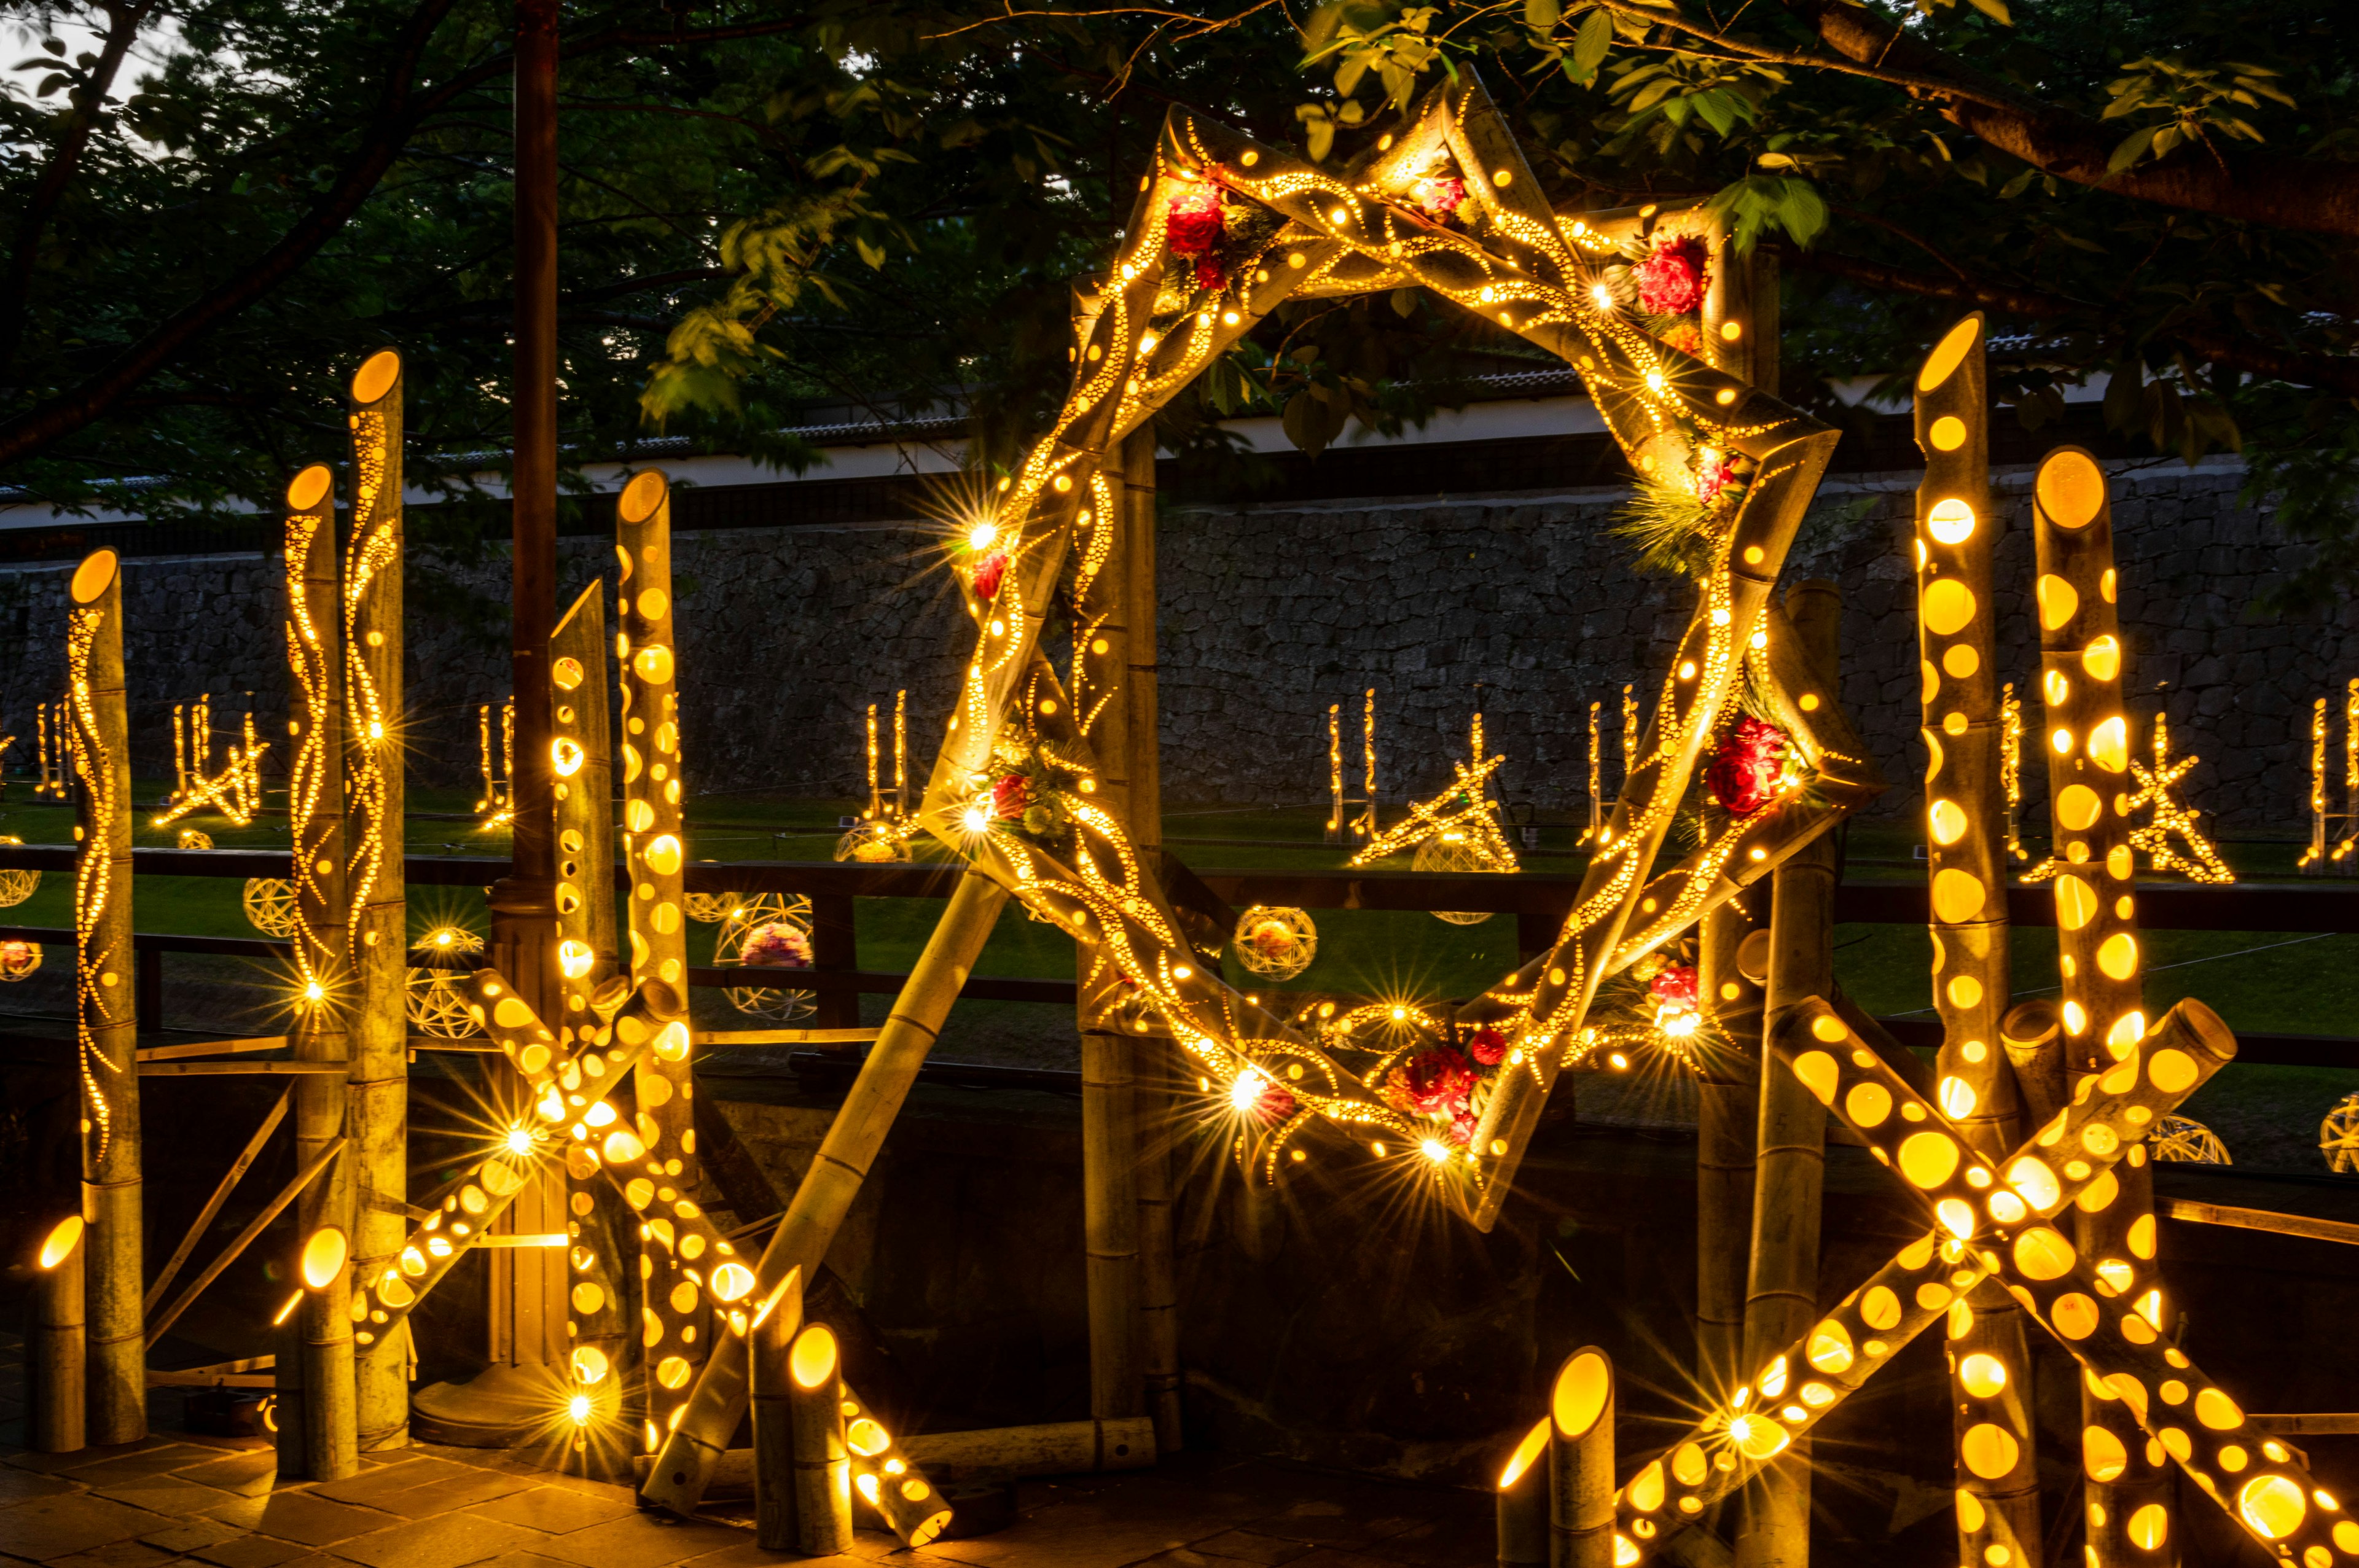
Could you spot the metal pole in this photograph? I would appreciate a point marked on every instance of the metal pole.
(108, 1025)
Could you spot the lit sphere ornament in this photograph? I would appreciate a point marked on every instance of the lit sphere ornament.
(710, 908)
(767, 931)
(2189, 1143)
(434, 998)
(1456, 852)
(16, 886)
(872, 844)
(1275, 942)
(195, 839)
(18, 959)
(2338, 1136)
(270, 905)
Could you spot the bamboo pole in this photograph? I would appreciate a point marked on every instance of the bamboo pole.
(677, 1315)
(1522, 1504)
(1580, 1461)
(60, 1349)
(1727, 1113)
(317, 1438)
(2033, 1038)
(825, 1196)
(2087, 744)
(105, 1010)
(1782, 1285)
(377, 927)
(1051, 1448)
(822, 1465)
(773, 1468)
(158, 1326)
(1964, 731)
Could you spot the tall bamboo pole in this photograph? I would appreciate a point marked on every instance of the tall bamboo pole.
(2087, 743)
(1965, 805)
(59, 1360)
(678, 1326)
(603, 1272)
(775, 1479)
(316, 1436)
(1580, 1461)
(678, 1477)
(375, 888)
(1782, 1289)
(107, 1025)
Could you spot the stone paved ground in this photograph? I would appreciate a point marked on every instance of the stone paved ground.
(206, 1502)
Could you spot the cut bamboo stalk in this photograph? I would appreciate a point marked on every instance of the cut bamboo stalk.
(1523, 1500)
(317, 1439)
(1965, 822)
(1727, 1114)
(1782, 1285)
(773, 1454)
(60, 1357)
(106, 1004)
(887, 1477)
(1110, 1223)
(825, 1196)
(228, 1184)
(159, 1326)
(211, 1048)
(822, 1465)
(2033, 1038)
(1580, 1461)
(1053, 1448)
(2085, 738)
(678, 1314)
(1158, 1276)
(377, 1092)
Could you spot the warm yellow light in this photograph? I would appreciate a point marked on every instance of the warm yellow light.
(289, 1310)
(59, 1243)
(324, 1256)
(976, 818)
(566, 756)
(314, 991)
(519, 1140)
(1604, 295)
(810, 1361)
(578, 1407)
(979, 537)
(1951, 521)
(1436, 1151)
(1245, 1090)
(1526, 1452)
(574, 957)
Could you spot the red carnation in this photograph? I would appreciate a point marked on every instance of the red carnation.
(1275, 1103)
(1439, 1079)
(1670, 280)
(1745, 767)
(1193, 222)
(1010, 796)
(1714, 477)
(1675, 983)
(1686, 337)
(1440, 196)
(1487, 1046)
(1462, 1128)
(987, 575)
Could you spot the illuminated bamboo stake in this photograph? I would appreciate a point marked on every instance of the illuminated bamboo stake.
(599, 1321)
(678, 1477)
(317, 1437)
(2088, 748)
(1727, 1113)
(876, 794)
(677, 1332)
(180, 753)
(1596, 799)
(491, 799)
(1522, 1501)
(375, 888)
(1370, 823)
(61, 1350)
(1629, 737)
(106, 996)
(822, 1465)
(1782, 1285)
(2350, 770)
(1964, 733)
(1335, 771)
(1580, 1461)
(2315, 855)
(901, 755)
(774, 1482)
(2010, 767)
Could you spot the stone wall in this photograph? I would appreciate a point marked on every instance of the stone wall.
(1270, 614)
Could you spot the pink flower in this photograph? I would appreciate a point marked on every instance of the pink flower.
(1462, 1128)
(1713, 478)
(1440, 196)
(777, 945)
(1010, 796)
(987, 575)
(1743, 774)
(1670, 280)
(1439, 1079)
(1675, 983)
(1487, 1046)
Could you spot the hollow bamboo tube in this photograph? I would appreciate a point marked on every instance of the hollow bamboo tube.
(887, 1478)
(1964, 728)
(1522, 1502)
(603, 1276)
(821, 1464)
(1580, 1461)
(1727, 1113)
(773, 1469)
(375, 888)
(1110, 1222)
(2034, 1041)
(317, 1437)
(678, 1322)
(61, 1347)
(109, 1030)
(825, 1196)
(2085, 738)
(1782, 1285)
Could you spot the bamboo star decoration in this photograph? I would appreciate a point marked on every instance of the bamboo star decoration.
(2158, 794)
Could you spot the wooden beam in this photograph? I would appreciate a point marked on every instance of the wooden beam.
(2300, 1224)
(211, 1048)
(228, 1184)
(287, 1194)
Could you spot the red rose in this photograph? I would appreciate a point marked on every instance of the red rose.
(1275, 1103)
(1440, 196)
(1439, 1079)
(1676, 983)
(1193, 223)
(1208, 273)
(1010, 796)
(1670, 280)
(987, 575)
(1488, 1046)
(1743, 774)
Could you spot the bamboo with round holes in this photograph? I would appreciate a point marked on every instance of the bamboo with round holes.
(1964, 734)
(1782, 1283)
(318, 1438)
(776, 1324)
(1580, 1461)
(375, 891)
(59, 1365)
(108, 1030)
(821, 1511)
(2084, 735)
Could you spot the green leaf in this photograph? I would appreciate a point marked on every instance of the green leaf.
(1543, 15)
(1589, 45)
(1995, 10)
(2133, 147)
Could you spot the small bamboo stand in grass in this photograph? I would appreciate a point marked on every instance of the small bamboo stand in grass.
(2087, 744)
(316, 1436)
(1782, 1286)
(1580, 1461)
(60, 1351)
(821, 1511)
(98, 738)
(374, 887)
(1965, 728)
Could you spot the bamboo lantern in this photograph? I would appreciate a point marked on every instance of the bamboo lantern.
(2085, 738)
(1523, 1501)
(316, 1436)
(105, 1000)
(773, 1335)
(678, 1319)
(1727, 1109)
(601, 1263)
(884, 1478)
(822, 1465)
(60, 1349)
(2314, 859)
(374, 885)
(1580, 1463)
(1629, 739)
(2033, 1039)
(1596, 796)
